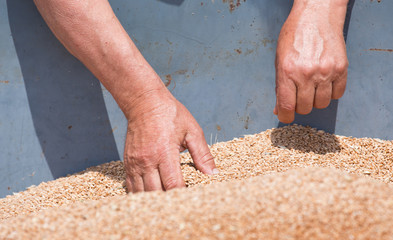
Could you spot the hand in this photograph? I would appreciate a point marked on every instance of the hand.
(311, 60)
(159, 128)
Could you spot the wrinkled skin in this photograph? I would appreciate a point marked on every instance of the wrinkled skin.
(311, 69)
(311, 59)
(159, 126)
(162, 127)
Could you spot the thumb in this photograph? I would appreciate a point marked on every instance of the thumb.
(200, 153)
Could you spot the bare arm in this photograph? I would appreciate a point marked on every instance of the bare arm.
(311, 60)
(92, 33)
(159, 126)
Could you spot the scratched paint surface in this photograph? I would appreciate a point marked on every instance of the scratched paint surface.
(216, 58)
(366, 110)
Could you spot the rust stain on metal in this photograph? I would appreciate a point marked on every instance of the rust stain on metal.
(181, 72)
(381, 50)
(246, 120)
(169, 60)
(69, 127)
(233, 4)
(266, 41)
(218, 127)
(6, 81)
(238, 50)
(168, 79)
(248, 52)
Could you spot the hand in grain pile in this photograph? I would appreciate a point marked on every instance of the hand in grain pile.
(159, 126)
(311, 60)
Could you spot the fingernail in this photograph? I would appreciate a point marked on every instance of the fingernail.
(215, 171)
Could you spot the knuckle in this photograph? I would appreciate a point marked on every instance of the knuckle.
(307, 69)
(326, 67)
(341, 66)
(287, 66)
(285, 106)
(206, 158)
(131, 171)
(193, 135)
(289, 70)
(142, 158)
(171, 183)
(197, 130)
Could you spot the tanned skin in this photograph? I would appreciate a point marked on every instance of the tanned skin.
(311, 58)
(159, 126)
(311, 69)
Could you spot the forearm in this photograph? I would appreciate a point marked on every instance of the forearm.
(91, 32)
(312, 25)
(321, 12)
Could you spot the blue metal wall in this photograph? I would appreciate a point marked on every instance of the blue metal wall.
(55, 117)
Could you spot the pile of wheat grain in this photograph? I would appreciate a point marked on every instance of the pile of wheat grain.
(306, 203)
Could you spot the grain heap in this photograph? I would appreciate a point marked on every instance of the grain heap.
(307, 203)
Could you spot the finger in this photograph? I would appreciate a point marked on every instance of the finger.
(136, 183)
(170, 171)
(323, 94)
(152, 180)
(286, 102)
(200, 152)
(128, 184)
(339, 86)
(305, 99)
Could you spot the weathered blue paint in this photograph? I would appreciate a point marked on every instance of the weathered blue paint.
(55, 117)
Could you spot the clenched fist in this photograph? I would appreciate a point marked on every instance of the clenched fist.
(311, 59)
